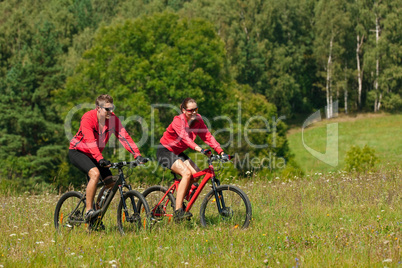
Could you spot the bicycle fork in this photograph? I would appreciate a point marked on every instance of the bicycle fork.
(220, 202)
(126, 212)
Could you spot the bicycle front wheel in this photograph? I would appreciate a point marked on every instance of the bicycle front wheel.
(129, 217)
(235, 208)
(69, 212)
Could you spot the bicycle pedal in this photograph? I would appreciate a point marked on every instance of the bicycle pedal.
(154, 219)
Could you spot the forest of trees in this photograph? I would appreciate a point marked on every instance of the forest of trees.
(272, 58)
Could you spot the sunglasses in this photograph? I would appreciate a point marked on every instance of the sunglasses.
(108, 109)
(192, 110)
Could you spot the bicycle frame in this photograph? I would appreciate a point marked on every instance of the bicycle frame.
(209, 175)
(119, 185)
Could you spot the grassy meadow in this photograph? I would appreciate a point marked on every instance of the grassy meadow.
(332, 220)
(381, 132)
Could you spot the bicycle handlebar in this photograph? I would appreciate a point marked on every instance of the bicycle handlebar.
(220, 158)
(129, 163)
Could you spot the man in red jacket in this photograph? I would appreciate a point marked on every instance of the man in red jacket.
(87, 145)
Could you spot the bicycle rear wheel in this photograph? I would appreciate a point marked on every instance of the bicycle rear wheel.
(165, 209)
(69, 212)
(132, 219)
(235, 205)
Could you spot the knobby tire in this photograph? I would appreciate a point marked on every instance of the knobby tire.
(137, 218)
(236, 213)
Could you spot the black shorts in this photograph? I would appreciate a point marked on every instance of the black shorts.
(85, 163)
(166, 158)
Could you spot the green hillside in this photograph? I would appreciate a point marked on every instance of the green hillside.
(382, 133)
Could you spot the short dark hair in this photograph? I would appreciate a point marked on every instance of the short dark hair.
(185, 102)
(105, 98)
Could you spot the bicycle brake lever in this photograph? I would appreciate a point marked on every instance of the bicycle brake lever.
(113, 165)
(137, 163)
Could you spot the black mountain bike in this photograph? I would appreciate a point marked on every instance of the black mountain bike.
(70, 209)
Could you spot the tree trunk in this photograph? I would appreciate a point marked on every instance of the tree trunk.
(328, 82)
(346, 101)
(377, 102)
(337, 93)
(346, 90)
(244, 23)
(359, 71)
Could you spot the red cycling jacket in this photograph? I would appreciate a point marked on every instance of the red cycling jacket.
(179, 136)
(91, 141)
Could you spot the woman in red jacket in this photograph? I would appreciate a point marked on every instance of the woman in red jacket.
(179, 136)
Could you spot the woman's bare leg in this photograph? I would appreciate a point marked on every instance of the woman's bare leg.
(184, 171)
(193, 168)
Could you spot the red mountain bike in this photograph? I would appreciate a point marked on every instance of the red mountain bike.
(224, 204)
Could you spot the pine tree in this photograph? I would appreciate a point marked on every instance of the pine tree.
(29, 125)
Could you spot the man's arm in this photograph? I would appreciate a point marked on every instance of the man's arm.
(125, 139)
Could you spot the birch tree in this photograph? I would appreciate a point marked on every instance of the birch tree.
(375, 55)
(330, 24)
(378, 96)
(389, 53)
(361, 16)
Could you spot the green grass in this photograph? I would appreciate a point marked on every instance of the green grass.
(332, 220)
(382, 133)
